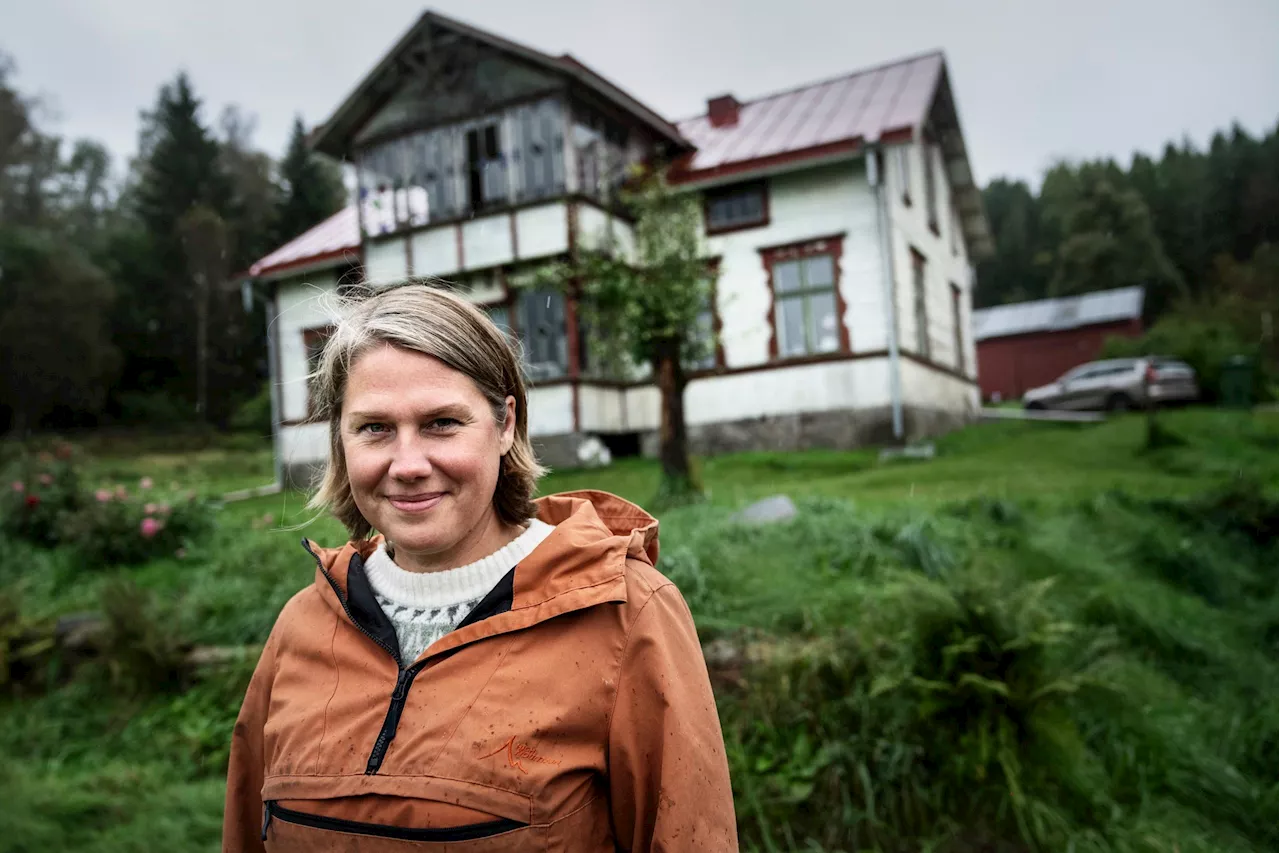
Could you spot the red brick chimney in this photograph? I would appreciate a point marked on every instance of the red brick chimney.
(723, 111)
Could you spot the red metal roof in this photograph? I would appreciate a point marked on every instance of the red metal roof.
(336, 238)
(863, 106)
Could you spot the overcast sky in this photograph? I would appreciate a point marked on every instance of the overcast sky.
(1034, 80)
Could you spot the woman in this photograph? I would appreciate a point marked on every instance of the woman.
(489, 672)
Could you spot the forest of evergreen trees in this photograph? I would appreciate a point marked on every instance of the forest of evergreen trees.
(119, 300)
(120, 303)
(1197, 228)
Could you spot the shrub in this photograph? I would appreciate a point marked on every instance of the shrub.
(144, 641)
(254, 414)
(39, 488)
(1203, 341)
(944, 722)
(24, 644)
(119, 528)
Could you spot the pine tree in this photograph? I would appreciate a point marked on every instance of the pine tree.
(313, 188)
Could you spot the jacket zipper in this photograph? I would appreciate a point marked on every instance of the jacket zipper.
(404, 679)
(332, 824)
(392, 721)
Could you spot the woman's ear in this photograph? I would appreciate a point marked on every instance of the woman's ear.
(508, 437)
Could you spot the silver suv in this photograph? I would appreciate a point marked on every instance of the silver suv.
(1118, 385)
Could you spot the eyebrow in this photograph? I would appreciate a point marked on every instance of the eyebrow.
(454, 410)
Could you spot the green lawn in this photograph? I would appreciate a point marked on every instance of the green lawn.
(1146, 553)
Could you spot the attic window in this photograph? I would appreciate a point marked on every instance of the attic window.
(736, 207)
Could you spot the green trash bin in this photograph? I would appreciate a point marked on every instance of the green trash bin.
(1235, 388)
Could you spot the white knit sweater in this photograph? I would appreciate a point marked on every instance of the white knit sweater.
(424, 606)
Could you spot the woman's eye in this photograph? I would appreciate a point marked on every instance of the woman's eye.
(445, 423)
(375, 429)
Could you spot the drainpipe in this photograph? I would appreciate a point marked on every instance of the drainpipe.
(875, 179)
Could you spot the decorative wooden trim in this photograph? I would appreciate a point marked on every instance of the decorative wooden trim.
(515, 235)
(408, 128)
(717, 324)
(941, 368)
(462, 251)
(763, 222)
(782, 364)
(833, 246)
(779, 247)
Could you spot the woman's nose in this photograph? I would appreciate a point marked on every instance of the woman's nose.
(410, 460)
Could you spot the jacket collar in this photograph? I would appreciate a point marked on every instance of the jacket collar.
(581, 564)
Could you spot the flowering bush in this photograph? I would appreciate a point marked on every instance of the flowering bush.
(119, 528)
(36, 491)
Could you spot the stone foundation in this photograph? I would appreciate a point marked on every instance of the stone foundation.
(839, 430)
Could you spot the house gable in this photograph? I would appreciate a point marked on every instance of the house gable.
(438, 51)
(453, 77)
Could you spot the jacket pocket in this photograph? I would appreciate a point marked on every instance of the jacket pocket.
(275, 814)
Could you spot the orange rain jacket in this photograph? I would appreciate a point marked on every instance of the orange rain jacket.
(570, 711)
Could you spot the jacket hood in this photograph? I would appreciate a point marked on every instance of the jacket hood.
(596, 532)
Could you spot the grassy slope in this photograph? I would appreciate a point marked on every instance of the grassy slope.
(78, 749)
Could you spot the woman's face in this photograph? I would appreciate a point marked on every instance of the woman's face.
(422, 451)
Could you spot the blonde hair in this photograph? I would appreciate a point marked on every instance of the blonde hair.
(428, 320)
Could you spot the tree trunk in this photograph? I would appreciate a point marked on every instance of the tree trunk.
(672, 435)
(202, 346)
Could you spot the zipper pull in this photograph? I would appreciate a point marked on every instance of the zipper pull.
(266, 818)
(402, 685)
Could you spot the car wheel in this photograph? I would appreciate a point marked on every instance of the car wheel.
(1119, 403)
(1035, 407)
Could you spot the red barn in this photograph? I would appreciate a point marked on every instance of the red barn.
(1027, 344)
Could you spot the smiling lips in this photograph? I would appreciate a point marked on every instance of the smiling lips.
(416, 503)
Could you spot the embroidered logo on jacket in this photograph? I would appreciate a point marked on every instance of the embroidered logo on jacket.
(518, 753)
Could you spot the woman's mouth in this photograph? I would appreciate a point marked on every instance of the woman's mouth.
(415, 503)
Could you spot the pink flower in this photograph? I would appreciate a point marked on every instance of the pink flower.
(121, 493)
(163, 509)
(45, 456)
(33, 501)
(145, 483)
(150, 527)
(103, 495)
(18, 486)
(62, 451)
(268, 520)
(46, 479)
(150, 509)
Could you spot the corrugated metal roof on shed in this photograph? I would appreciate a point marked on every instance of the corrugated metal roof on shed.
(1051, 315)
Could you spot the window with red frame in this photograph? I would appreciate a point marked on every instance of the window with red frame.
(806, 311)
(313, 340)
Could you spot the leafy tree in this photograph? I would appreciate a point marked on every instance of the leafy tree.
(55, 350)
(643, 306)
(313, 188)
(1020, 268)
(1108, 241)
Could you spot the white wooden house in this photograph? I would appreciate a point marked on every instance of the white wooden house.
(842, 218)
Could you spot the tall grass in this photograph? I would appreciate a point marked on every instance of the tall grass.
(1047, 638)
